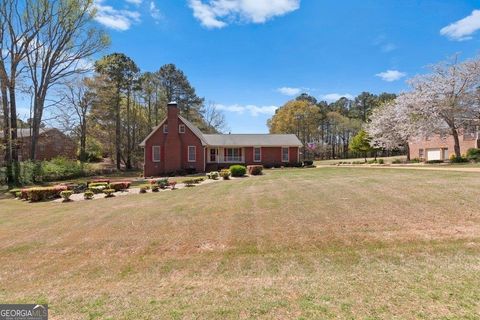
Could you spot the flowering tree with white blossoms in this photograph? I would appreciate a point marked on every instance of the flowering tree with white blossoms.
(446, 100)
(449, 96)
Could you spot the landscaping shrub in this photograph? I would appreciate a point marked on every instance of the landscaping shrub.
(191, 171)
(434, 161)
(415, 160)
(109, 193)
(155, 188)
(43, 193)
(268, 166)
(162, 183)
(213, 175)
(18, 194)
(225, 174)
(238, 170)
(455, 159)
(198, 180)
(381, 161)
(473, 154)
(372, 161)
(172, 184)
(88, 195)
(120, 185)
(97, 181)
(189, 183)
(255, 170)
(97, 187)
(307, 163)
(66, 195)
(14, 192)
(396, 161)
(143, 189)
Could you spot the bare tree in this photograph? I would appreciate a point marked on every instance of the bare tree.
(19, 26)
(214, 118)
(60, 49)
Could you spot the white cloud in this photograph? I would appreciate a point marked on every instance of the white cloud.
(331, 97)
(252, 109)
(218, 13)
(115, 19)
(464, 28)
(384, 44)
(136, 2)
(289, 91)
(391, 75)
(155, 12)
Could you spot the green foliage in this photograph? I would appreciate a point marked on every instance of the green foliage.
(307, 163)
(88, 195)
(162, 183)
(380, 161)
(434, 161)
(143, 189)
(56, 169)
(119, 185)
(361, 143)
(455, 159)
(473, 154)
(397, 161)
(213, 175)
(155, 188)
(109, 193)
(94, 150)
(43, 193)
(238, 170)
(66, 195)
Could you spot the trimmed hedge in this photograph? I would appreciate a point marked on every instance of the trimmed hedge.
(225, 174)
(308, 163)
(120, 185)
(66, 195)
(42, 193)
(238, 170)
(255, 170)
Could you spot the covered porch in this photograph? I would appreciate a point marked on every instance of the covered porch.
(225, 155)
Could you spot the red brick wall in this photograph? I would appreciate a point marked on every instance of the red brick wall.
(271, 155)
(438, 142)
(174, 150)
(51, 144)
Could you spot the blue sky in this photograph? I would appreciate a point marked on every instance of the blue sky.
(251, 56)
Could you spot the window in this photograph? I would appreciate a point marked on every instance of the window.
(285, 154)
(165, 128)
(420, 153)
(181, 128)
(257, 154)
(156, 153)
(192, 153)
(213, 155)
(233, 155)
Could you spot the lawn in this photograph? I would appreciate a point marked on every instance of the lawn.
(326, 243)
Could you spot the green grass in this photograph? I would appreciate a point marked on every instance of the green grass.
(328, 243)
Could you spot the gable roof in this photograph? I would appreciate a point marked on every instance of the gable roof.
(233, 140)
(26, 132)
(260, 140)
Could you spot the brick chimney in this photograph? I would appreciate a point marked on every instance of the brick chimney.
(173, 159)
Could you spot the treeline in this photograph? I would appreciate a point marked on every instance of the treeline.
(326, 129)
(108, 107)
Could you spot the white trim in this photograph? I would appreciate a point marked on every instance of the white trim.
(165, 128)
(288, 154)
(159, 153)
(181, 125)
(194, 153)
(259, 160)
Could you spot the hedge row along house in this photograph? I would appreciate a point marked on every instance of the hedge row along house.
(441, 147)
(51, 143)
(177, 145)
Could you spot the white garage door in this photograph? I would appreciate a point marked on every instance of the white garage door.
(434, 154)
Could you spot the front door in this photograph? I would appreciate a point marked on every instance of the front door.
(213, 155)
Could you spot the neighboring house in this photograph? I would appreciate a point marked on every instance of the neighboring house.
(176, 145)
(51, 143)
(441, 147)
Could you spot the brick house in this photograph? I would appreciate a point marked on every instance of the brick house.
(177, 145)
(51, 143)
(441, 147)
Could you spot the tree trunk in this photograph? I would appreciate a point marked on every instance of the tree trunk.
(118, 152)
(13, 133)
(38, 104)
(128, 163)
(6, 135)
(407, 147)
(83, 140)
(456, 146)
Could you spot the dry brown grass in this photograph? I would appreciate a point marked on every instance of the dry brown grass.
(315, 243)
